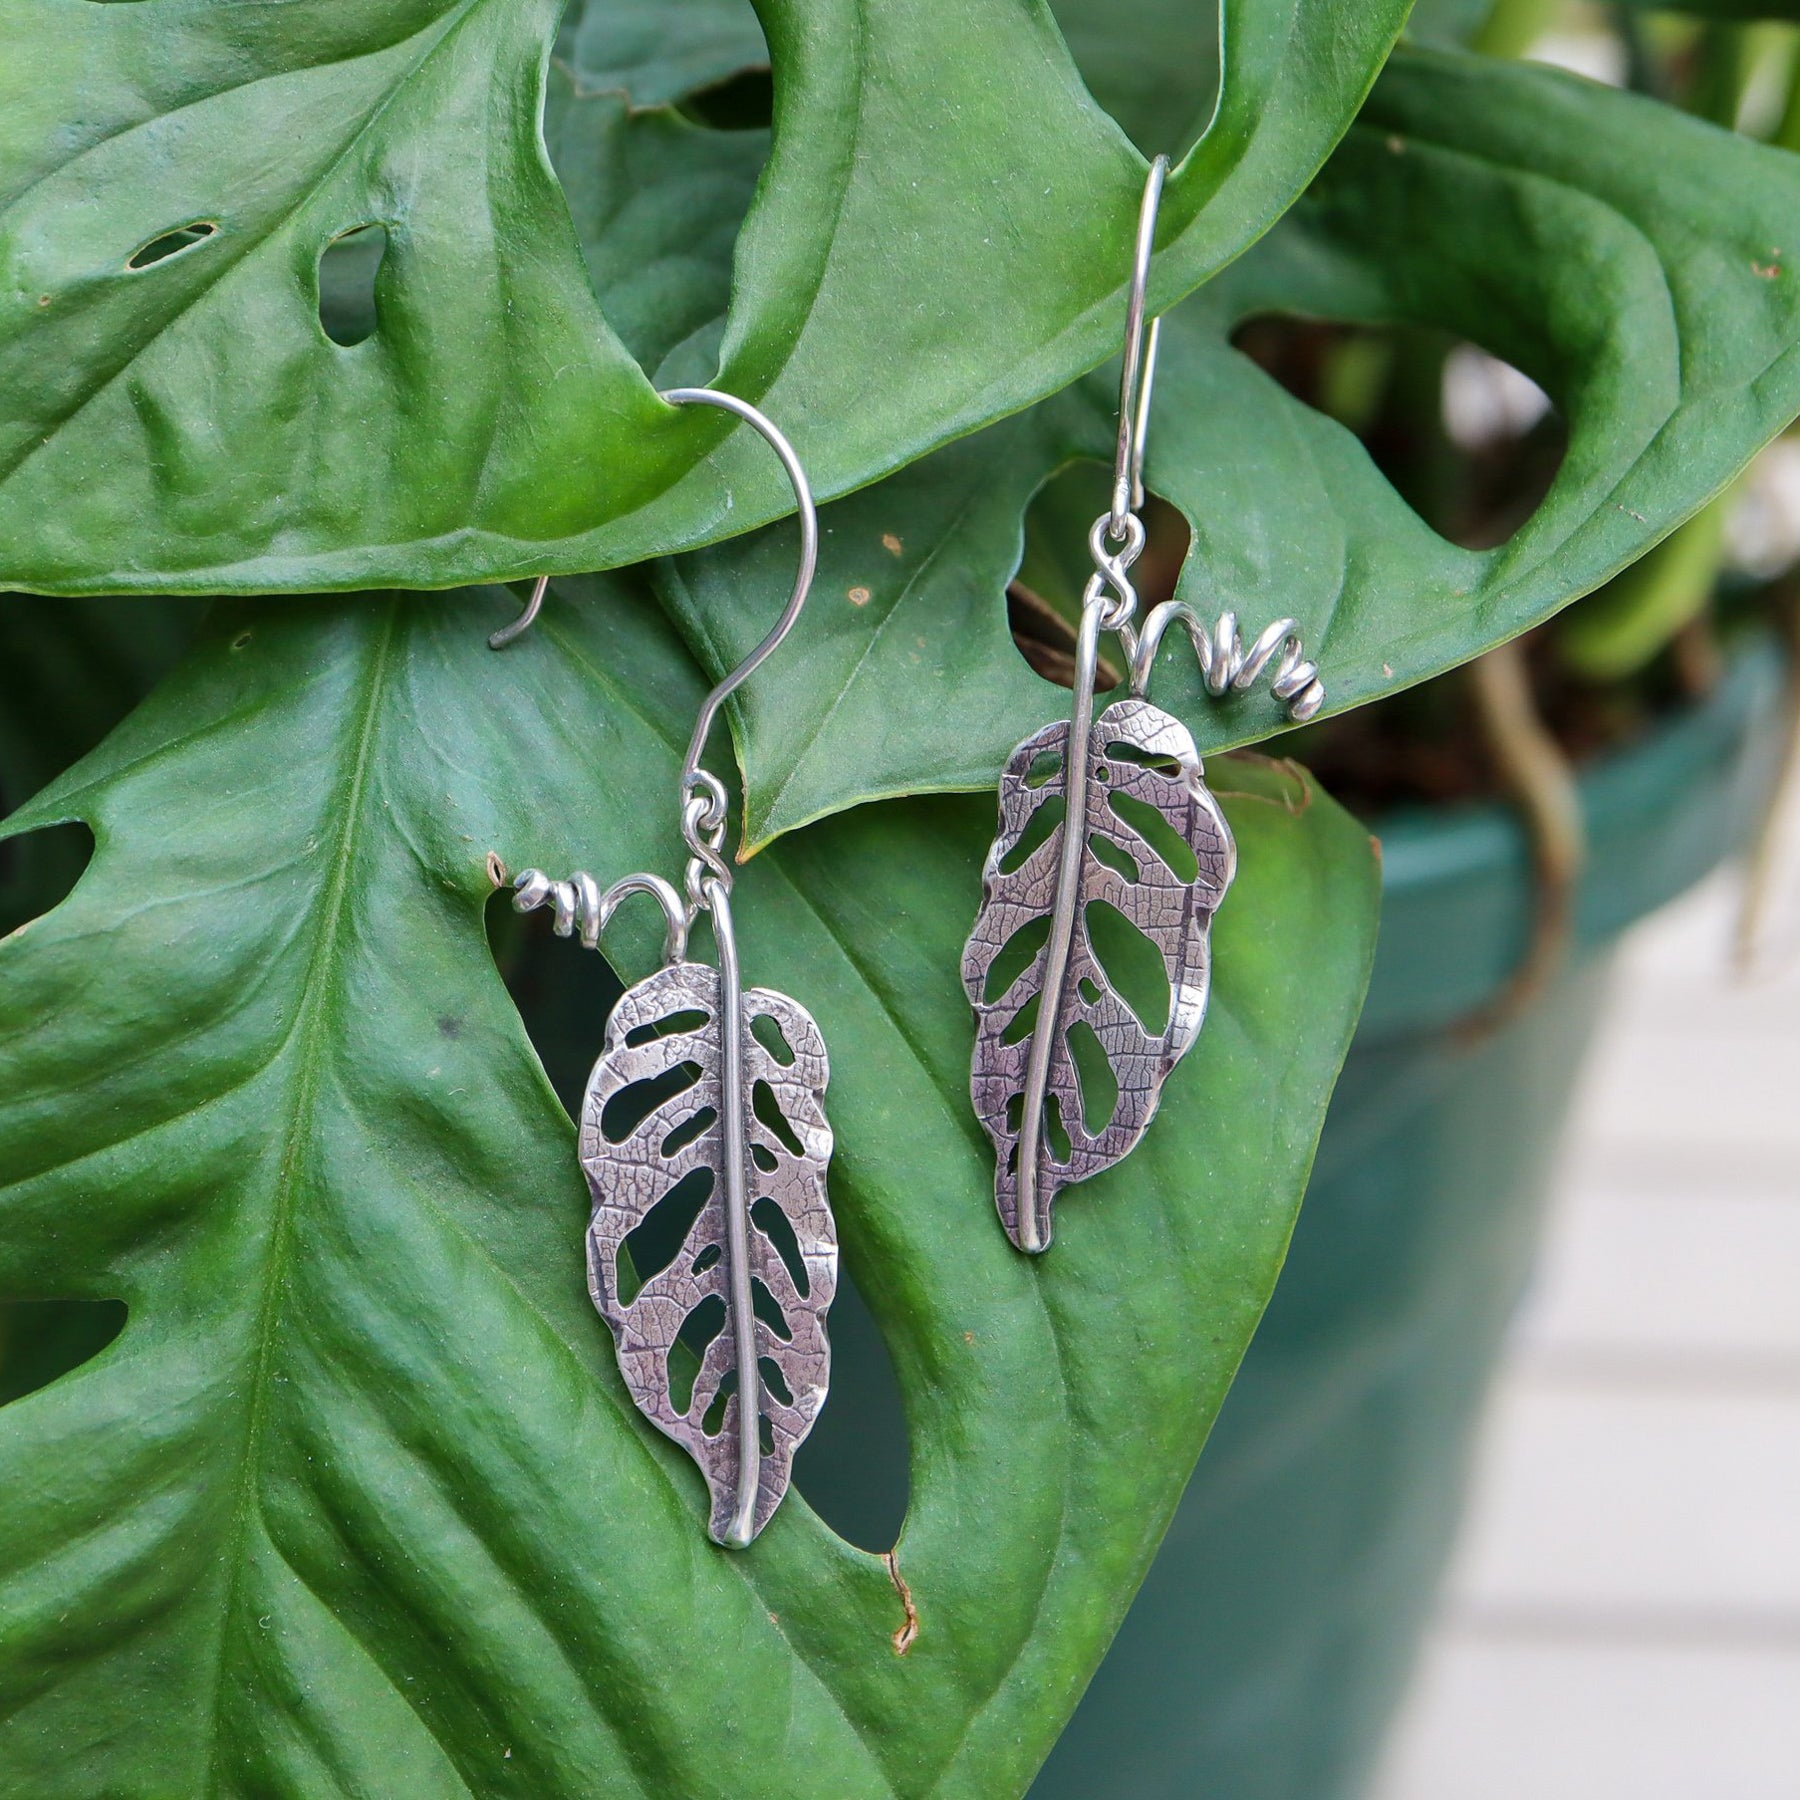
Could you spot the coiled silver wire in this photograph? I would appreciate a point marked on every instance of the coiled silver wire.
(1227, 664)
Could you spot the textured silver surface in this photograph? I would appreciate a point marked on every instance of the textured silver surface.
(1137, 751)
(630, 1176)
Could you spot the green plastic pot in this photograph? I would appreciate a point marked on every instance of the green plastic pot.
(1269, 1647)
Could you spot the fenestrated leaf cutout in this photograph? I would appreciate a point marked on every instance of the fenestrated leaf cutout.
(634, 1168)
(1158, 855)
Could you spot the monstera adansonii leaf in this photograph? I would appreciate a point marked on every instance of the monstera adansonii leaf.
(357, 1502)
(941, 236)
(1574, 231)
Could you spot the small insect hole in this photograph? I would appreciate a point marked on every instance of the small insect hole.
(172, 243)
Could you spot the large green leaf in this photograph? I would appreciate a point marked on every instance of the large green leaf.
(1574, 231)
(940, 239)
(356, 1503)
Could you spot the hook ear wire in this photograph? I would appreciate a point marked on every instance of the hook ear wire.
(1139, 376)
(809, 562)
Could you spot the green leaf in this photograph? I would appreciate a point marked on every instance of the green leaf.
(940, 238)
(356, 1502)
(655, 51)
(1569, 229)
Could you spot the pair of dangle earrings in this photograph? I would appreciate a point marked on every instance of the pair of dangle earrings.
(1113, 814)
(707, 1101)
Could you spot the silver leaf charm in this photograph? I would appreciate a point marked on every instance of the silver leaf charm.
(1136, 835)
(752, 1290)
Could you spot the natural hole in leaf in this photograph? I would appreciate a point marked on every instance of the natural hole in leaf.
(1131, 963)
(1056, 1133)
(768, 1309)
(1099, 1085)
(1115, 857)
(688, 1351)
(43, 1340)
(563, 995)
(1044, 601)
(1469, 442)
(1157, 834)
(1039, 829)
(670, 1025)
(657, 1239)
(768, 1110)
(632, 1105)
(768, 1033)
(39, 870)
(854, 1467)
(1152, 64)
(688, 1131)
(775, 1381)
(171, 243)
(348, 267)
(1016, 955)
(773, 1223)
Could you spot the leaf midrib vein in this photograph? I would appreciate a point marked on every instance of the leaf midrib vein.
(314, 1043)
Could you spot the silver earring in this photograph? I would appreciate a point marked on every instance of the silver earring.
(1138, 832)
(672, 1118)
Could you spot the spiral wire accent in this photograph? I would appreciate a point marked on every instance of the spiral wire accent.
(1227, 664)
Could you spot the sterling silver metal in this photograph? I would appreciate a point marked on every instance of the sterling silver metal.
(1028, 1094)
(639, 1143)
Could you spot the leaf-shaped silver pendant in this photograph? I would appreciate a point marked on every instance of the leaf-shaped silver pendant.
(1136, 834)
(747, 1265)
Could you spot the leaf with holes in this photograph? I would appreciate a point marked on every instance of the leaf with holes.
(662, 1246)
(1154, 857)
(358, 1502)
(1576, 234)
(179, 419)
